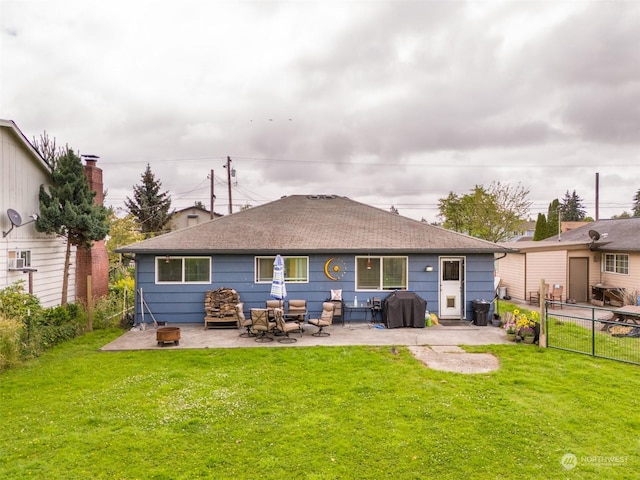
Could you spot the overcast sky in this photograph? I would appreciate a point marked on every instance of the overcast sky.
(386, 102)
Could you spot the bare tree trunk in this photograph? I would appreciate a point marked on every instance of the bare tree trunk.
(65, 276)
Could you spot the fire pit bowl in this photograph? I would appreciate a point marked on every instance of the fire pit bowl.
(168, 334)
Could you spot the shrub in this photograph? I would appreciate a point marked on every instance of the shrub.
(53, 316)
(107, 312)
(11, 332)
(17, 304)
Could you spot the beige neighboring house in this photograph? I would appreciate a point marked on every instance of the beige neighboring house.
(25, 254)
(190, 216)
(586, 261)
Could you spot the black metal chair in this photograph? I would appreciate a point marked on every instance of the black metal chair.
(376, 309)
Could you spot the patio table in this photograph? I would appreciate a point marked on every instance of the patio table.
(628, 314)
(361, 307)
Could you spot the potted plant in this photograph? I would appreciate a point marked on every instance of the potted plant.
(528, 334)
(525, 325)
(511, 330)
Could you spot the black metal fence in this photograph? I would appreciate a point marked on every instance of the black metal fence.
(600, 332)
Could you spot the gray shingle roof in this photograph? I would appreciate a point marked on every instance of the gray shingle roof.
(312, 223)
(616, 235)
(619, 234)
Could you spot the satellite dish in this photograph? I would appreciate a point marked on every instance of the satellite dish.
(14, 217)
(595, 236)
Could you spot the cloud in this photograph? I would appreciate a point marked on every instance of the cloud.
(388, 102)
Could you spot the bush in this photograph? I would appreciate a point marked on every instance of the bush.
(107, 312)
(11, 333)
(17, 304)
(53, 316)
(27, 330)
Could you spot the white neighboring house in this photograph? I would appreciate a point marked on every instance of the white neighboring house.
(26, 254)
(190, 216)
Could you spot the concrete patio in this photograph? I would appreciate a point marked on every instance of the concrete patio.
(195, 336)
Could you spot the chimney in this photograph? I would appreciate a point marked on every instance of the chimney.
(94, 176)
(93, 261)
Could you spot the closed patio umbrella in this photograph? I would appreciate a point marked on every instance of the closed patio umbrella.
(278, 288)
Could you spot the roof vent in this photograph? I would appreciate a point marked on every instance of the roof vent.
(321, 197)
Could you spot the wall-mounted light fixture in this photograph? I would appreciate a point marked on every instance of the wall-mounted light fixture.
(428, 268)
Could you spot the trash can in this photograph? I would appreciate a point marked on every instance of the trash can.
(502, 292)
(480, 312)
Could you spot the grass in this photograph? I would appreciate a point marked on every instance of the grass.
(314, 413)
(579, 334)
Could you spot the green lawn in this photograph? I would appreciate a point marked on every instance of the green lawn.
(315, 413)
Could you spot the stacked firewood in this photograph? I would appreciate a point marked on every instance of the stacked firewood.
(221, 302)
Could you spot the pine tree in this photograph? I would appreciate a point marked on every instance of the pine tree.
(67, 209)
(636, 204)
(541, 228)
(552, 218)
(149, 206)
(571, 208)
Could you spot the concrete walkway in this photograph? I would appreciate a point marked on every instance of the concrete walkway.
(195, 336)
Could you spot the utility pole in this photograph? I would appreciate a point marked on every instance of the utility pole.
(597, 196)
(559, 224)
(213, 196)
(228, 167)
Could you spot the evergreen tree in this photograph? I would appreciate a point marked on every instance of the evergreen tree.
(552, 218)
(67, 209)
(636, 204)
(149, 206)
(571, 208)
(541, 228)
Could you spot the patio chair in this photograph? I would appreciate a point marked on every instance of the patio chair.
(244, 321)
(285, 327)
(297, 310)
(325, 320)
(261, 325)
(534, 297)
(271, 305)
(555, 295)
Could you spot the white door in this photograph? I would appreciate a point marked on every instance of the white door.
(451, 282)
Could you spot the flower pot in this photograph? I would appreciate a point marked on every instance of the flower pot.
(511, 337)
(529, 339)
(496, 322)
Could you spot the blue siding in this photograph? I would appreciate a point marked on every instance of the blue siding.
(184, 303)
(479, 280)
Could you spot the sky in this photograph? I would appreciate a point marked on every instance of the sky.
(385, 102)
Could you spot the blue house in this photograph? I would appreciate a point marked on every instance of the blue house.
(329, 243)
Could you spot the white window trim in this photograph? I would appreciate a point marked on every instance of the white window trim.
(273, 257)
(379, 257)
(616, 256)
(182, 282)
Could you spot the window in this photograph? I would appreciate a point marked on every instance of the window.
(183, 270)
(296, 269)
(381, 273)
(19, 259)
(616, 263)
